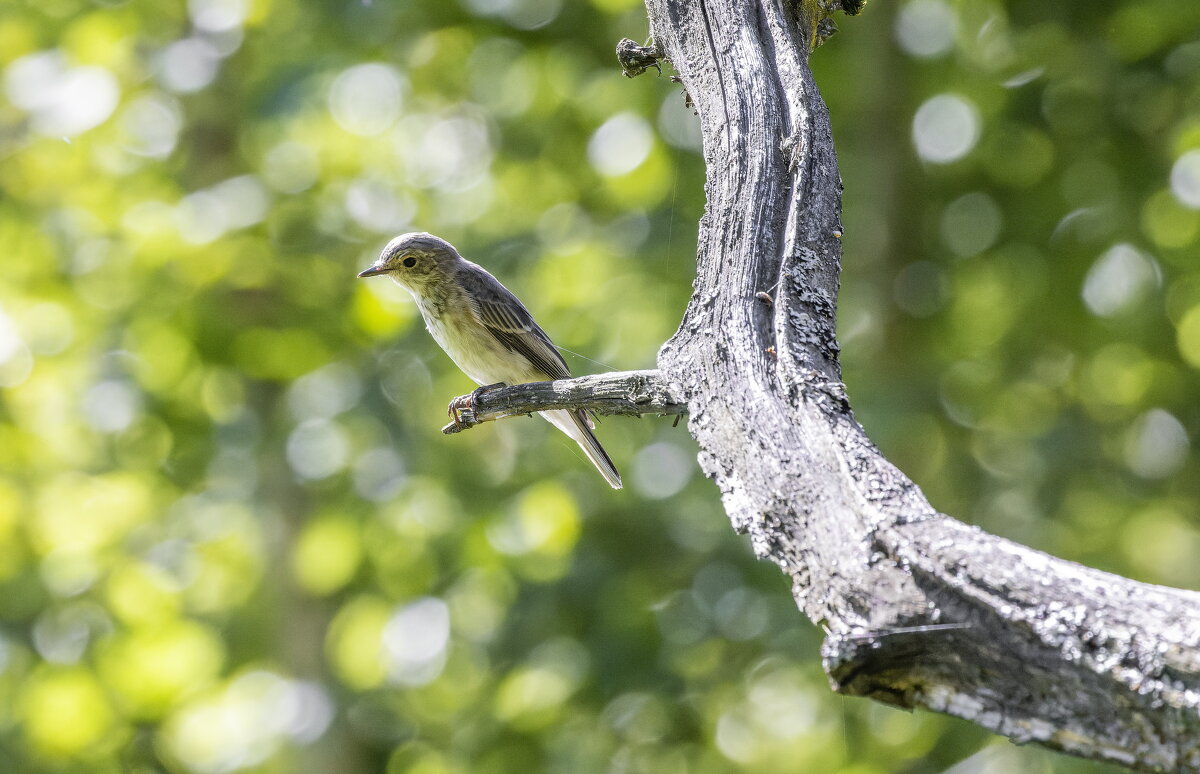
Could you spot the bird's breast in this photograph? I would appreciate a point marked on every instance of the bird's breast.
(473, 348)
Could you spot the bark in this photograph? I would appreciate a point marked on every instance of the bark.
(921, 610)
(631, 393)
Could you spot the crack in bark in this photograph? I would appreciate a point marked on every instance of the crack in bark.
(712, 47)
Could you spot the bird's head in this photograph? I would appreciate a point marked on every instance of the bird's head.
(415, 260)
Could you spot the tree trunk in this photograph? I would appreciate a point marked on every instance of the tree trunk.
(921, 610)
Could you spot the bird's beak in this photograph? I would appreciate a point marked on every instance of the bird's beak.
(371, 271)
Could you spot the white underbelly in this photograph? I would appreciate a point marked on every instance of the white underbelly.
(478, 354)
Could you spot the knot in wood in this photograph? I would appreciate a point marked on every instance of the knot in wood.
(636, 59)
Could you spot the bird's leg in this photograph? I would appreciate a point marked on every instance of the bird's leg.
(466, 404)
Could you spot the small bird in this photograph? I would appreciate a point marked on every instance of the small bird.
(484, 328)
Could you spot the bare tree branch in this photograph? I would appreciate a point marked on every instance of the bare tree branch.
(921, 609)
(630, 393)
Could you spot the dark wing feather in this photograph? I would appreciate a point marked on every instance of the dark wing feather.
(507, 319)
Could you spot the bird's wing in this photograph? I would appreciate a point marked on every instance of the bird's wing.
(507, 319)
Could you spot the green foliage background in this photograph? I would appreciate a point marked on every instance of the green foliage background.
(231, 535)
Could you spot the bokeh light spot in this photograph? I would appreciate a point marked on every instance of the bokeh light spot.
(62, 101)
(1188, 336)
(945, 128)
(366, 99)
(620, 145)
(326, 555)
(290, 167)
(111, 405)
(1185, 179)
(318, 448)
(153, 123)
(1156, 445)
(925, 28)
(415, 640)
(65, 711)
(189, 65)
(661, 469)
(971, 224)
(354, 642)
(152, 668)
(1169, 223)
(1118, 280)
(217, 15)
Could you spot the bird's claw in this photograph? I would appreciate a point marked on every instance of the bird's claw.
(462, 409)
(460, 405)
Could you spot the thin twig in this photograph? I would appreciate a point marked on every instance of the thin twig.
(628, 393)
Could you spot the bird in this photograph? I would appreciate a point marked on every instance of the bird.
(484, 328)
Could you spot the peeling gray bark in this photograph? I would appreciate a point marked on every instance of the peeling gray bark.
(629, 393)
(921, 610)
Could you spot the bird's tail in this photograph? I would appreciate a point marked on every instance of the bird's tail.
(577, 425)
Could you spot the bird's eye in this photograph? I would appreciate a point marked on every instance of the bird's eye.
(410, 262)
